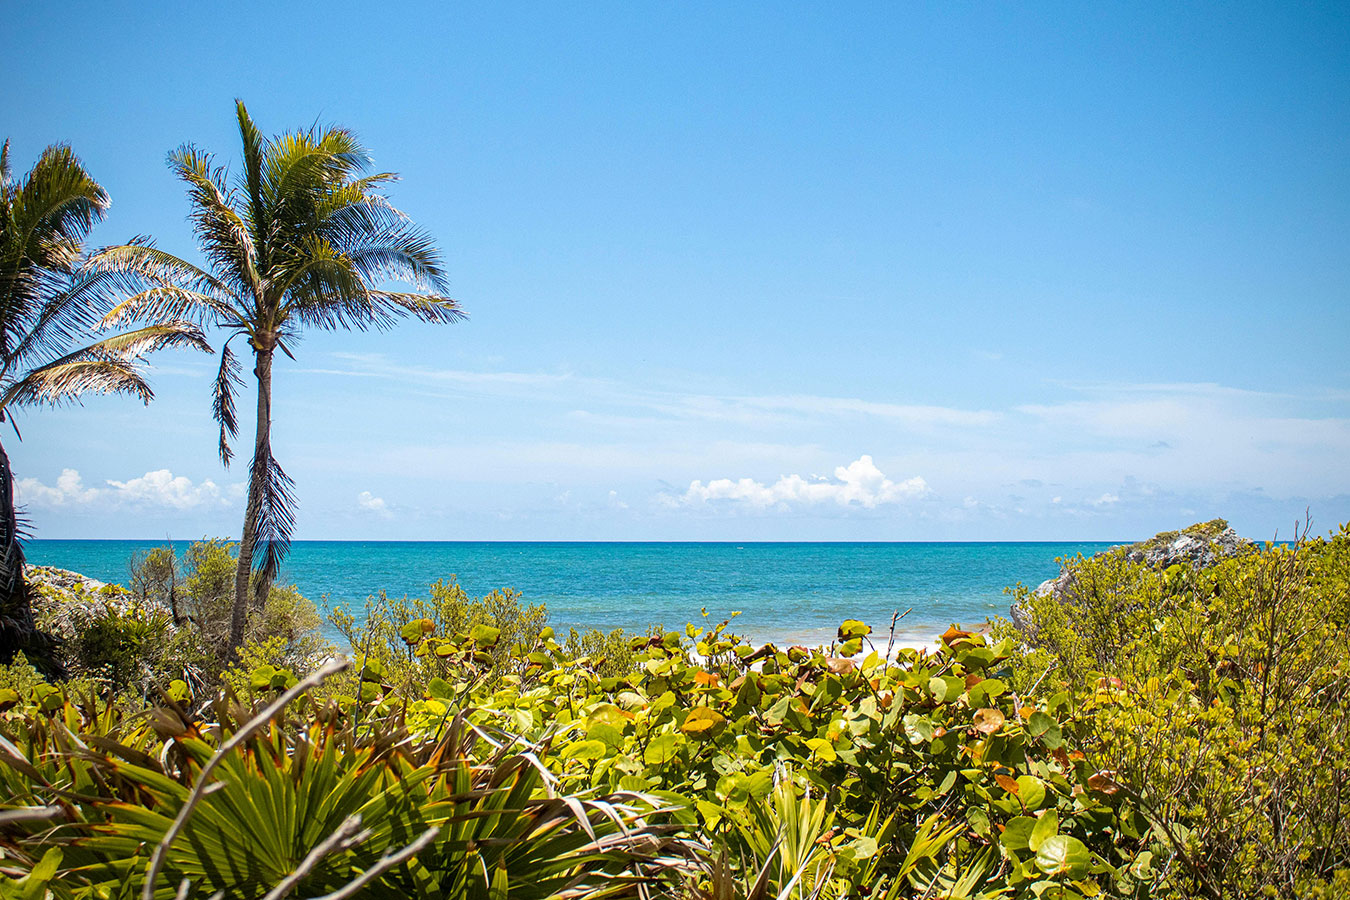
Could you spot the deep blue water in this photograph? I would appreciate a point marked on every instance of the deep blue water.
(784, 591)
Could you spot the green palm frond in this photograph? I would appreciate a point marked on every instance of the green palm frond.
(44, 219)
(142, 260)
(54, 209)
(433, 309)
(133, 345)
(221, 230)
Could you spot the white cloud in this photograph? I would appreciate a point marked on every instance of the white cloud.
(1106, 499)
(160, 488)
(370, 503)
(68, 491)
(859, 483)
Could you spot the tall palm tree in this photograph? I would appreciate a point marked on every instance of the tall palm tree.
(48, 299)
(301, 238)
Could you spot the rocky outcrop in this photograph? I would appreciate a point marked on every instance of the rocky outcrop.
(63, 601)
(1199, 546)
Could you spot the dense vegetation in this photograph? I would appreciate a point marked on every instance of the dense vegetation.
(1158, 733)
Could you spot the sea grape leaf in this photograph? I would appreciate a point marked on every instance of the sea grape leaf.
(1017, 833)
(988, 720)
(1047, 826)
(1031, 791)
(661, 750)
(1063, 855)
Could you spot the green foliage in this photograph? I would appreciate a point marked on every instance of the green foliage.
(395, 630)
(1215, 700)
(1165, 734)
(283, 631)
(124, 647)
(299, 797)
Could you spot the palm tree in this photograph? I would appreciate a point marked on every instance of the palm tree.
(302, 238)
(48, 299)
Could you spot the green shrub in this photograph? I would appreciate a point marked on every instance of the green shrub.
(1217, 700)
(199, 591)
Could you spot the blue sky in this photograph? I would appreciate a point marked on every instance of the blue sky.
(770, 272)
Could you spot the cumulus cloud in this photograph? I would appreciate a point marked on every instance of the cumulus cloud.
(372, 504)
(860, 483)
(158, 489)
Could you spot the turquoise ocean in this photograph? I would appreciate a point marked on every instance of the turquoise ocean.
(784, 592)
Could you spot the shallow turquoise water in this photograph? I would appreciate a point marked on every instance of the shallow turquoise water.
(785, 592)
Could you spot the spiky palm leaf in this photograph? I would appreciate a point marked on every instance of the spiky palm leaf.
(300, 238)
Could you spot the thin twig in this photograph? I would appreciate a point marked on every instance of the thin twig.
(347, 835)
(387, 862)
(30, 814)
(255, 724)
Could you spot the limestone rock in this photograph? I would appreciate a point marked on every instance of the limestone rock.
(63, 600)
(1199, 546)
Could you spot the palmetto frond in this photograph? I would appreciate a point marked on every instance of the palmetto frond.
(105, 367)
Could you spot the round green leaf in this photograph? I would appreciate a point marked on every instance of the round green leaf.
(661, 750)
(588, 749)
(1063, 855)
(1031, 791)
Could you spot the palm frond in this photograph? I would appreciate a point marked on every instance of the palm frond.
(426, 308)
(44, 220)
(222, 399)
(104, 367)
(63, 382)
(157, 267)
(222, 233)
(402, 253)
(254, 146)
(131, 345)
(275, 521)
(54, 209)
(167, 302)
(54, 311)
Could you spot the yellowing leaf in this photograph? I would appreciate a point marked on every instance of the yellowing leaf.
(701, 722)
(987, 721)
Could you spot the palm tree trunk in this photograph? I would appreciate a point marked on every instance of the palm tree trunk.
(17, 628)
(262, 455)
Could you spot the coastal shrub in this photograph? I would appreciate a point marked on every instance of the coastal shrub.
(611, 653)
(901, 752)
(392, 630)
(156, 576)
(1216, 699)
(199, 593)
